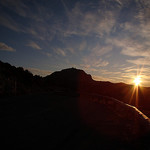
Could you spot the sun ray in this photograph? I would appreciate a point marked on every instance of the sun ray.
(137, 83)
(132, 95)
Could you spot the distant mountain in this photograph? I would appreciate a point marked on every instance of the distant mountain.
(16, 81)
(78, 80)
(73, 79)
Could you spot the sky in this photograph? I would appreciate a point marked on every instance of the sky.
(109, 39)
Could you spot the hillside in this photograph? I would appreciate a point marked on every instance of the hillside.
(78, 80)
(68, 110)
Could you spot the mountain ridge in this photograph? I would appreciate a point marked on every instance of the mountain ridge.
(17, 81)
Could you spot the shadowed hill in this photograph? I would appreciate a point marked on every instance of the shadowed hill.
(79, 81)
(72, 78)
(16, 81)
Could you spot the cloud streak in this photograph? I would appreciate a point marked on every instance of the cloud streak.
(86, 23)
(34, 45)
(39, 72)
(7, 21)
(5, 47)
(140, 61)
(60, 52)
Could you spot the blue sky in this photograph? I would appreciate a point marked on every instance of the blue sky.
(109, 39)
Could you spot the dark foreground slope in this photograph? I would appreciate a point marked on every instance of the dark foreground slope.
(60, 121)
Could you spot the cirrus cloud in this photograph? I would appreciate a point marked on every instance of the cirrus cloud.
(5, 47)
(34, 45)
(40, 72)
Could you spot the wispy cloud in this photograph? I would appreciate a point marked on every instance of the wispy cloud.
(110, 79)
(85, 23)
(34, 45)
(100, 63)
(5, 47)
(48, 54)
(140, 61)
(36, 15)
(60, 51)
(130, 46)
(7, 21)
(100, 50)
(40, 72)
(16, 5)
(81, 20)
(94, 63)
(100, 78)
(82, 45)
(95, 59)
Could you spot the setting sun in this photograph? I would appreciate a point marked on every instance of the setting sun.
(137, 80)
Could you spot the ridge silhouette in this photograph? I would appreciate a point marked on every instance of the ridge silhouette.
(17, 81)
(71, 78)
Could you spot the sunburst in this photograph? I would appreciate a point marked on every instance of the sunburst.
(137, 80)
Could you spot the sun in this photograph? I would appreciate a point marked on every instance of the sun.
(137, 80)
